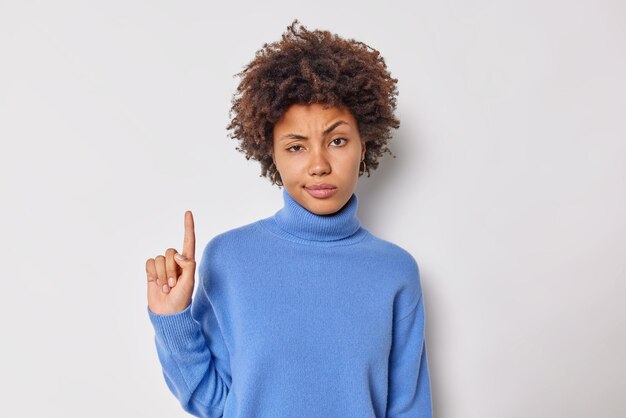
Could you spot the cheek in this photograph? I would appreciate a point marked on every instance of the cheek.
(356, 161)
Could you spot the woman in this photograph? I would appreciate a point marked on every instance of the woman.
(304, 313)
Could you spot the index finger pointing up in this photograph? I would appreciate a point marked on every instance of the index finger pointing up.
(189, 242)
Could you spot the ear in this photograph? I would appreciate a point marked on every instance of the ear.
(363, 146)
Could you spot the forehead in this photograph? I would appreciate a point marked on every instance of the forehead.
(312, 114)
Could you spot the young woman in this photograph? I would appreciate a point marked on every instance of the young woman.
(304, 313)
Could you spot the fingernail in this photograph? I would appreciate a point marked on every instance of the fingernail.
(171, 282)
(166, 288)
(178, 256)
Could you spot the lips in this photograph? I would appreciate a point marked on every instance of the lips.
(321, 191)
(321, 186)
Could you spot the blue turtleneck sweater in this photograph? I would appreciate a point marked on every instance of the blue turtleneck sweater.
(300, 315)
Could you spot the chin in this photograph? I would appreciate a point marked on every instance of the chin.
(323, 206)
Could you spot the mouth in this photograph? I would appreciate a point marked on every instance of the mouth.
(321, 191)
(321, 186)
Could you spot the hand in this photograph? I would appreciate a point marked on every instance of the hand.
(171, 280)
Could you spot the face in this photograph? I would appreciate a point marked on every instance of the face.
(317, 147)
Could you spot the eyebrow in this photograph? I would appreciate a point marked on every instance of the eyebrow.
(326, 131)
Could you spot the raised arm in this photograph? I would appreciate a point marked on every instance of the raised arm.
(185, 329)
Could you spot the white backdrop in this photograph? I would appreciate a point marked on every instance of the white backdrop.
(509, 188)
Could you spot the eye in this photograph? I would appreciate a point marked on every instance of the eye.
(293, 146)
(336, 139)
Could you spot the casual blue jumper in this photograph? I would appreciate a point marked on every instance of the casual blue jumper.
(300, 315)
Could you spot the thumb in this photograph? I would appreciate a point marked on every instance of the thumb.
(187, 266)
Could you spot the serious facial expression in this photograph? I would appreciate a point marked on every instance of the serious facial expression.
(316, 147)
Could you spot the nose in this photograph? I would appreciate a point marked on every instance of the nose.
(318, 163)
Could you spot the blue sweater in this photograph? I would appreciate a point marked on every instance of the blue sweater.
(300, 315)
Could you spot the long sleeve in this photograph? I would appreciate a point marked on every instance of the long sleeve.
(192, 353)
(409, 382)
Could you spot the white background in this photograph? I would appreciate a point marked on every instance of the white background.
(509, 188)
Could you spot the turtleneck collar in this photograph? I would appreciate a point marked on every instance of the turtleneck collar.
(298, 222)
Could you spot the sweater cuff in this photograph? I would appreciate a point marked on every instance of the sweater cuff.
(179, 330)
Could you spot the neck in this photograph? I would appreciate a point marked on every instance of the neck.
(296, 220)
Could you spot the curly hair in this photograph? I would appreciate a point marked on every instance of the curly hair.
(313, 67)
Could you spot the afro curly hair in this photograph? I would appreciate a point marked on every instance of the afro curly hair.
(313, 67)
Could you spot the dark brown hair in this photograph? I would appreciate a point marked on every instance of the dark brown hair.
(313, 67)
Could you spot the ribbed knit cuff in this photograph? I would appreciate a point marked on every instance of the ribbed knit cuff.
(180, 330)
